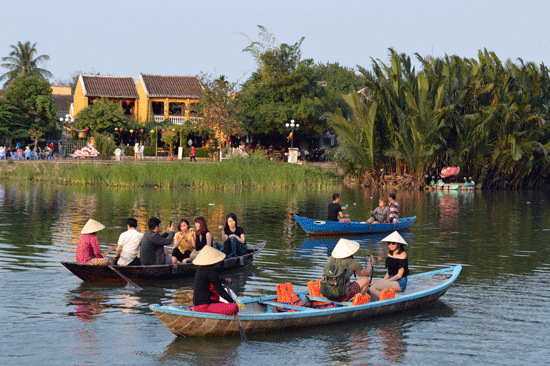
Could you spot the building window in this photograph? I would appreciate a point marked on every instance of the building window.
(128, 107)
(177, 109)
(158, 108)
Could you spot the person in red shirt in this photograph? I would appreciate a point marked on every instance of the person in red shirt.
(87, 250)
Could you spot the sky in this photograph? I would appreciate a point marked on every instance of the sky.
(169, 37)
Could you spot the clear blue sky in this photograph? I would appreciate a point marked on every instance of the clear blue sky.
(126, 37)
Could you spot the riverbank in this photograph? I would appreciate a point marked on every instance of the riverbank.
(254, 172)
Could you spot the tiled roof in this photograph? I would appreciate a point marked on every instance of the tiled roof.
(109, 86)
(63, 103)
(160, 86)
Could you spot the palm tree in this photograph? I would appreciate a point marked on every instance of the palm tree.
(23, 61)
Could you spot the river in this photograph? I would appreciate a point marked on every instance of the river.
(495, 313)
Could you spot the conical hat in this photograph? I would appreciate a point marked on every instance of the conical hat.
(345, 248)
(208, 256)
(394, 238)
(92, 226)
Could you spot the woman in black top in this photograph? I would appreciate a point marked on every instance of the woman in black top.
(202, 237)
(207, 287)
(233, 236)
(397, 264)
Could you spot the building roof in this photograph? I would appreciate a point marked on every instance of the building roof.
(161, 86)
(63, 103)
(109, 86)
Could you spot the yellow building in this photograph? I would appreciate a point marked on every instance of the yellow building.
(119, 89)
(169, 97)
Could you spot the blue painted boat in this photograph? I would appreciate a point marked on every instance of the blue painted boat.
(323, 227)
(262, 314)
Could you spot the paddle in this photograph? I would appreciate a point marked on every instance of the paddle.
(130, 284)
(110, 250)
(232, 294)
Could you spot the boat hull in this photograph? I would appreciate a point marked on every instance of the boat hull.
(259, 319)
(323, 227)
(104, 274)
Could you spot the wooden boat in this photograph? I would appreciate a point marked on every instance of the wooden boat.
(261, 315)
(155, 272)
(323, 227)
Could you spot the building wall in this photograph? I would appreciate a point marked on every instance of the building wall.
(61, 90)
(80, 101)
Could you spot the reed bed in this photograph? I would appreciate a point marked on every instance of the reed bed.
(253, 172)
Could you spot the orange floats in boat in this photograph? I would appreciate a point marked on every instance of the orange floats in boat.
(359, 299)
(387, 294)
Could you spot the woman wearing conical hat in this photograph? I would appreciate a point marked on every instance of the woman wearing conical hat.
(342, 255)
(207, 287)
(397, 264)
(87, 250)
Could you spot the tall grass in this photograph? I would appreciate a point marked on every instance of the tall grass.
(252, 172)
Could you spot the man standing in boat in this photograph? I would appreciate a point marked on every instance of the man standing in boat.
(128, 245)
(152, 243)
(334, 209)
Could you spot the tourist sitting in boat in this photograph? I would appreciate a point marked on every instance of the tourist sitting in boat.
(394, 209)
(128, 245)
(184, 242)
(397, 264)
(381, 214)
(342, 262)
(202, 238)
(87, 249)
(233, 236)
(152, 244)
(335, 210)
(207, 287)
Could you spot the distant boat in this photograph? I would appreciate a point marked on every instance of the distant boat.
(323, 227)
(262, 315)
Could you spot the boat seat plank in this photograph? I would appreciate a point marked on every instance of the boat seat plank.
(286, 306)
(324, 299)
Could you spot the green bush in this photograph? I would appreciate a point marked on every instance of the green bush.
(200, 152)
(149, 151)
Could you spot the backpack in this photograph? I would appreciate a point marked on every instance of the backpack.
(335, 278)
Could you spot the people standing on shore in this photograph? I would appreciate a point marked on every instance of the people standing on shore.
(141, 150)
(87, 249)
(152, 244)
(128, 245)
(192, 155)
(59, 150)
(335, 210)
(136, 152)
(394, 208)
(122, 152)
(380, 215)
(397, 264)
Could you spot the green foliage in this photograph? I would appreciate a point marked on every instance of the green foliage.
(30, 107)
(105, 144)
(254, 172)
(485, 116)
(22, 61)
(102, 117)
(170, 138)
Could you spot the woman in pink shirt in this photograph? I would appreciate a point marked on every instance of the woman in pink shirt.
(87, 250)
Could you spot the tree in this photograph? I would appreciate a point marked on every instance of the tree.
(23, 61)
(101, 117)
(282, 88)
(33, 110)
(218, 106)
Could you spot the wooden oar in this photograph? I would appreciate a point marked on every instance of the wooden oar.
(243, 336)
(110, 250)
(130, 284)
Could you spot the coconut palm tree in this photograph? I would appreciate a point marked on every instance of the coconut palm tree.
(23, 61)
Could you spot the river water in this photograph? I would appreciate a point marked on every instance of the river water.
(495, 313)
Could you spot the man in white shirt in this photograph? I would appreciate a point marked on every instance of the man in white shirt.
(128, 245)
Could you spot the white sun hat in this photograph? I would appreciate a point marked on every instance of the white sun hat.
(207, 256)
(92, 226)
(394, 238)
(345, 248)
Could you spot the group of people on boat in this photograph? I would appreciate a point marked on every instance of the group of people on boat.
(383, 214)
(149, 248)
(197, 246)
